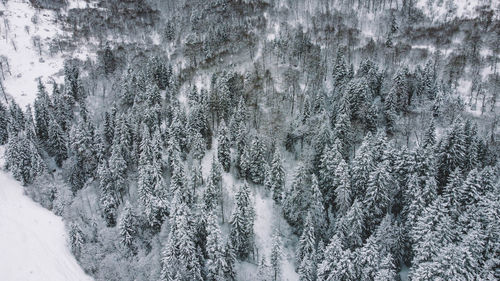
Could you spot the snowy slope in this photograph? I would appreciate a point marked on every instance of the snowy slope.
(21, 28)
(443, 10)
(32, 239)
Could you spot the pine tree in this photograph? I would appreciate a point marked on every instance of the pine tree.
(181, 258)
(56, 142)
(343, 134)
(109, 207)
(42, 113)
(196, 178)
(224, 145)
(242, 221)
(451, 152)
(343, 192)
(327, 172)
(386, 270)
(298, 198)
(215, 262)
(245, 163)
(4, 134)
(362, 166)
(336, 264)
(276, 257)
(307, 268)
(379, 191)
(257, 161)
(340, 71)
(322, 141)
(351, 227)
(390, 113)
(277, 177)
(198, 146)
(451, 192)
(118, 170)
(128, 227)
(316, 209)
(16, 120)
(23, 159)
(367, 260)
(307, 241)
(76, 239)
(230, 261)
(469, 191)
(430, 136)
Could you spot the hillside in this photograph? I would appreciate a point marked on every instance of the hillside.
(251, 139)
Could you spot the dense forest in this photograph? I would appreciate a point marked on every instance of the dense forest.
(369, 127)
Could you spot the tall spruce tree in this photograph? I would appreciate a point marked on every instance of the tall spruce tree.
(242, 221)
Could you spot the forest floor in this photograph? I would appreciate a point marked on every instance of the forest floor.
(33, 240)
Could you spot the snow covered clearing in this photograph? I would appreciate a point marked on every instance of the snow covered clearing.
(33, 241)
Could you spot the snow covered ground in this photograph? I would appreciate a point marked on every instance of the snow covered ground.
(33, 241)
(444, 10)
(26, 35)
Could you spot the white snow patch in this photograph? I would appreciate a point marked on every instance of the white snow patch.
(33, 241)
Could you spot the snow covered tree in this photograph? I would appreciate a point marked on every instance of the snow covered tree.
(76, 239)
(337, 263)
(386, 270)
(451, 151)
(180, 256)
(343, 192)
(4, 134)
(430, 136)
(317, 209)
(277, 177)
(367, 260)
(362, 166)
(118, 170)
(379, 191)
(56, 142)
(224, 145)
(327, 171)
(321, 141)
(245, 162)
(343, 134)
(42, 113)
(340, 71)
(351, 227)
(230, 261)
(128, 227)
(276, 257)
(298, 198)
(23, 159)
(198, 146)
(212, 196)
(215, 262)
(307, 240)
(390, 113)
(308, 268)
(109, 207)
(257, 163)
(242, 221)
(469, 192)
